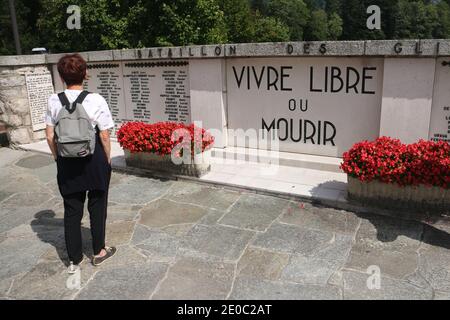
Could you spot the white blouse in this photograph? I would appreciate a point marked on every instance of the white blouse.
(95, 105)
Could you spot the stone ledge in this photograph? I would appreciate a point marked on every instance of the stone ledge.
(369, 48)
(23, 60)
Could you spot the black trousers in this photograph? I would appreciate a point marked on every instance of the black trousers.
(73, 214)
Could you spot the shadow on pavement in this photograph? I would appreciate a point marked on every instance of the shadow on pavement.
(50, 230)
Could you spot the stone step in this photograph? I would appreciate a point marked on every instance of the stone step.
(281, 158)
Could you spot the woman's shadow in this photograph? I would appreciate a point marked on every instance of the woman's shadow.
(50, 229)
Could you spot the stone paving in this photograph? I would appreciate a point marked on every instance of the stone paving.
(181, 240)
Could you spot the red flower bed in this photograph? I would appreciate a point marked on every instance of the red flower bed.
(390, 161)
(162, 137)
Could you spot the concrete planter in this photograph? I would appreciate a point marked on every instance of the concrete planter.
(399, 197)
(154, 162)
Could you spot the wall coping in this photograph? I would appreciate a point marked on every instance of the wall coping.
(370, 48)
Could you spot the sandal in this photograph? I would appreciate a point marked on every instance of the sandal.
(110, 251)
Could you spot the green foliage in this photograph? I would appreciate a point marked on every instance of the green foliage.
(293, 13)
(239, 20)
(270, 29)
(111, 24)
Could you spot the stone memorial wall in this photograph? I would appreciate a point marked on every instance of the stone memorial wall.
(318, 97)
(146, 91)
(440, 110)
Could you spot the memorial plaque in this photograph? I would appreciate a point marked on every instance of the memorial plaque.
(440, 110)
(106, 79)
(39, 88)
(157, 91)
(319, 106)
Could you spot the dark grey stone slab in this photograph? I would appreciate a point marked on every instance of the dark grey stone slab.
(138, 191)
(121, 212)
(305, 270)
(434, 266)
(18, 255)
(262, 264)
(310, 216)
(389, 234)
(162, 213)
(355, 287)
(395, 264)
(25, 182)
(191, 279)
(246, 288)
(387, 243)
(35, 161)
(124, 283)
(120, 232)
(47, 280)
(14, 217)
(217, 241)
(5, 194)
(212, 217)
(314, 243)
(281, 237)
(9, 156)
(155, 243)
(210, 197)
(255, 212)
(26, 200)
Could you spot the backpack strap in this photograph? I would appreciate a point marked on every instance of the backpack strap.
(81, 97)
(71, 106)
(63, 99)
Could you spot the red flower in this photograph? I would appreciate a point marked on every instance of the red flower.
(160, 138)
(390, 161)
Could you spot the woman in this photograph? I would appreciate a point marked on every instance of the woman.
(80, 176)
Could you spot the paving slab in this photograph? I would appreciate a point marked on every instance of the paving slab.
(355, 287)
(124, 283)
(9, 156)
(387, 243)
(46, 280)
(162, 213)
(138, 190)
(254, 212)
(326, 219)
(120, 232)
(122, 212)
(192, 279)
(217, 241)
(35, 161)
(262, 264)
(155, 243)
(14, 263)
(305, 270)
(26, 200)
(246, 288)
(214, 198)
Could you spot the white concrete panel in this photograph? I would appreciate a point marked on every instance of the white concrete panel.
(320, 106)
(208, 97)
(407, 97)
(440, 110)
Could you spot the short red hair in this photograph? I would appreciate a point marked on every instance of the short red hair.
(72, 68)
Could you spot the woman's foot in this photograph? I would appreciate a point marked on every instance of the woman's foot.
(104, 255)
(73, 268)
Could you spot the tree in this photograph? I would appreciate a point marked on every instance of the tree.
(186, 22)
(415, 20)
(27, 14)
(270, 29)
(293, 13)
(318, 26)
(442, 29)
(334, 26)
(239, 20)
